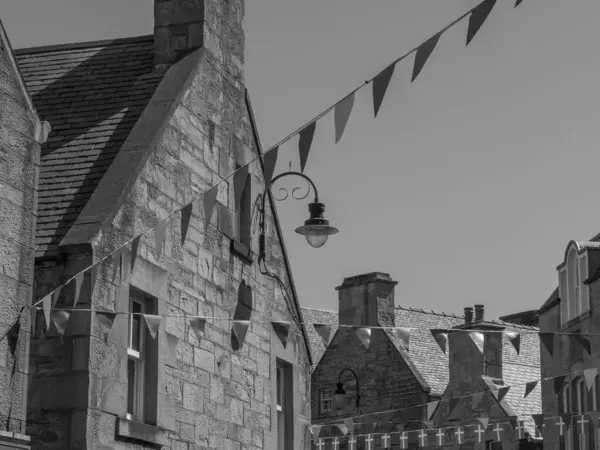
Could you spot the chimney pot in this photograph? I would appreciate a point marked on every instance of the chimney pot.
(468, 315)
(479, 310)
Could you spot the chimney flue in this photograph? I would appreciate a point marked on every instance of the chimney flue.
(468, 315)
(479, 309)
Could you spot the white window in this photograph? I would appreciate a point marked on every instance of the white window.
(326, 400)
(141, 361)
(581, 394)
(285, 410)
(573, 293)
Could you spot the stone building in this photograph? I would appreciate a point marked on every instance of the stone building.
(393, 376)
(570, 310)
(487, 369)
(141, 127)
(21, 134)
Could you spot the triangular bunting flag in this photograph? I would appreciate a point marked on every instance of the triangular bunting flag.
(530, 387)
(583, 342)
(477, 338)
(343, 428)
(539, 421)
(441, 337)
(240, 328)
(452, 404)
(116, 263)
(501, 393)
(282, 330)
(106, 319)
(134, 250)
(423, 53)
(47, 305)
(364, 335)
(198, 324)
(518, 3)
(513, 421)
(186, 213)
(78, 282)
(56, 295)
(484, 421)
(209, 201)
(566, 418)
(431, 407)
(558, 383)
(12, 336)
(380, 85)
(306, 138)
(60, 320)
(548, 341)
(349, 423)
(239, 181)
(477, 397)
(270, 161)
(93, 278)
(403, 334)
(316, 430)
(324, 331)
(478, 16)
(428, 424)
(153, 323)
(515, 339)
(589, 376)
(160, 232)
(341, 114)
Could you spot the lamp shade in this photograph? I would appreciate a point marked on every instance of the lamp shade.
(340, 396)
(316, 230)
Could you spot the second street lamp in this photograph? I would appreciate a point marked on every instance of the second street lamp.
(340, 393)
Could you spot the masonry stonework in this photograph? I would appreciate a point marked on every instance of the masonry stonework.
(193, 134)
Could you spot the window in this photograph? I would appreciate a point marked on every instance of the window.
(285, 409)
(326, 400)
(574, 294)
(243, 213)
(142, 362)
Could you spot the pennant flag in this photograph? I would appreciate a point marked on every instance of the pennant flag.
(441, 337)
(12, 336)
(240, 328)
(282, 330)
(186, 213)
(452, 404)
(106, 319)
(590, 375)
(566, 419)
(477, 397)
(341, 114)
(160, 232)
(239, 181)
(548, 341)
(306, 138)
(518, 3)
(364, 335)
(403, 334)
(428, 424)
(153, 323)
(501, 393)
(515, 340)
(78, 282)
(134, 250)
(349, 424)
(316, 430)
(539, 421)
(93, 277)
(197, 324)
(423, 53)
(431, 407)
(343, 429)
(269, 161)
(116, 261)
(477, 338)
(47, 305)
(209, 200)
(380, 85)
(478, 17)
(324, 331)
(60, 319)
(55, 296)
(583, 341)
(530, 387)
(512, 420)
(484, 421)
(558, 383)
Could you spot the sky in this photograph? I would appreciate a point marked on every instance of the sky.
(471, 181)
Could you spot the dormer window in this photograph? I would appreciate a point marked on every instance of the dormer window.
(574, 294)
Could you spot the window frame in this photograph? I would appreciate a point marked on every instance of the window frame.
(284, 404)
(323, 399)
(137, 357)
(573, 292)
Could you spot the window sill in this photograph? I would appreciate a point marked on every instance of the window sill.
(575, 321)
(241, 251)
(141, 432)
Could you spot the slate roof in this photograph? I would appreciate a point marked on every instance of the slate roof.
(92, 94)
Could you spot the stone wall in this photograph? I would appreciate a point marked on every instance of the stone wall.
(19, 156)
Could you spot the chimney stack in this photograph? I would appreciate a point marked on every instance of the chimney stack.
(479, 309)
(367, 300)
(468, 315)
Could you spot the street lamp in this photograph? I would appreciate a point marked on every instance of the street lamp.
(340, 393)
(316, 228)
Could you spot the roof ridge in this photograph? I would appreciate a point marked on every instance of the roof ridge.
(76, 45)
(318, 309)
(429, 311)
